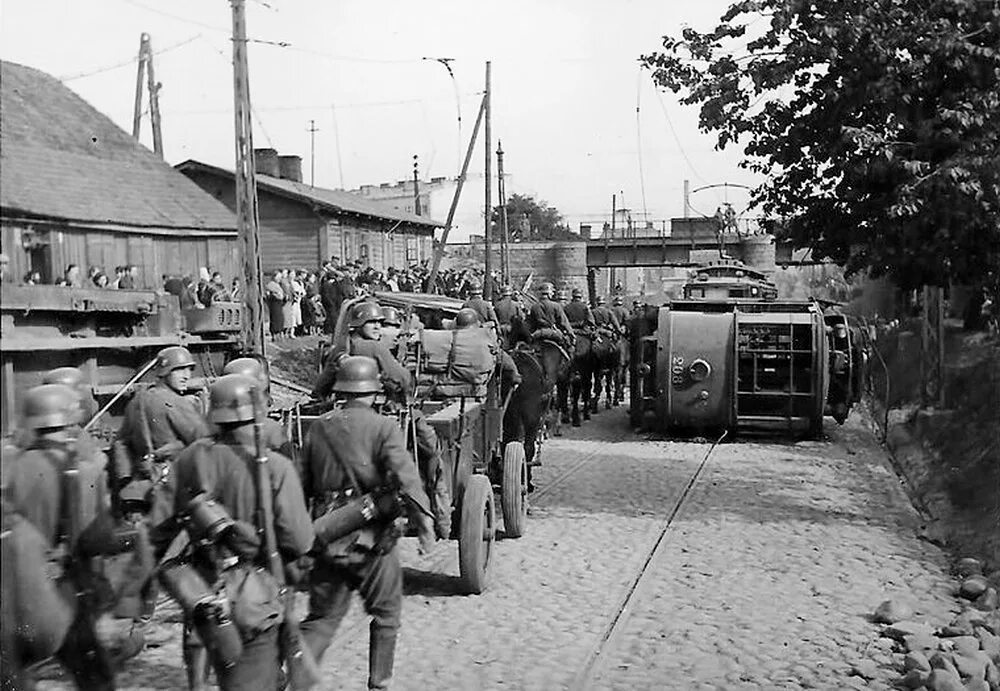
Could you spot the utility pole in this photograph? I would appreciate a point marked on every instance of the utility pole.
(312, 152)
(246, 188)
(488, 236)
(146, 66)
(416, 186)
(439, 253)
(502, 202)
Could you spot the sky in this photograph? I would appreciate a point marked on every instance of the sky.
(578, 119)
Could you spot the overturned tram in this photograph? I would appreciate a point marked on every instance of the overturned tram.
(111, 335)
(729, 355)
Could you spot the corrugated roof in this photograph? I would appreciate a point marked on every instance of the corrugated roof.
(61, 158)
(332, 200)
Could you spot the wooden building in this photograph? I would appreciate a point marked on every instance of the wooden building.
(301, 226)
(77, 189)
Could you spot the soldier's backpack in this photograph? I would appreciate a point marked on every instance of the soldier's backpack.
(464, 356)
(34, 607)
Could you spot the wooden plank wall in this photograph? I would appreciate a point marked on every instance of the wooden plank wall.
(154, 255)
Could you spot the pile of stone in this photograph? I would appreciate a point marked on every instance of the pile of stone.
(962, 656)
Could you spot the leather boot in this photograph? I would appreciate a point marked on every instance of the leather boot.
(381, 653)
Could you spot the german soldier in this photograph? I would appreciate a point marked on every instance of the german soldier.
(159, 422)
(476, 302)
(59, 493)
(621, 314)
(548, 314)
(273, 435)
(365, 325)
(352, 452)
(222, 469)
(579, 314)
(605, 318)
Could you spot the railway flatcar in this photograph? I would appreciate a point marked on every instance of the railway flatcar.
(111, 335)
(731, 356)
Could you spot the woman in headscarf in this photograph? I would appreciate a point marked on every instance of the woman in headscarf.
(275, 298)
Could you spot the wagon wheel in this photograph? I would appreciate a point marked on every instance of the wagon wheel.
(476, 533)
(514, 489)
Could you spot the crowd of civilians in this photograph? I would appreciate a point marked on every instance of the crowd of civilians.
(299, 302)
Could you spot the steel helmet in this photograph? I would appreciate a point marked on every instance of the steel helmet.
(390, 315)
(577, 293)
(51, 405)
(365, 312)
(600, 300)
(618, 301)
(466, 317)
(231, 398)
(249, 367)
(560, 294)
(174, 357)
(546, 289)
(506, 291)
(475, 288)
(67, 376)
(358, 374)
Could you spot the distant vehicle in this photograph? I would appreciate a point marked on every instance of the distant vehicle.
(731, 356)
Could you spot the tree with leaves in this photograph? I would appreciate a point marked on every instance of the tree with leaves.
(528, 219)
(875, 123)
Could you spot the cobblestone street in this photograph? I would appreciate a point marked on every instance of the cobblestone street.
(765, 579)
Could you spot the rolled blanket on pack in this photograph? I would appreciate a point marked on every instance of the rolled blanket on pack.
(466, 356)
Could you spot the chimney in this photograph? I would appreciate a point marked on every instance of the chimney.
(290, 168)
(266, 162)
(585, 231)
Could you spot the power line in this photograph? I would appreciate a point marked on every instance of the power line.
(638, 138)
(677, 139)
(125, 63)
(212, 27)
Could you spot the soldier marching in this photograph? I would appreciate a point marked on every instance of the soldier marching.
(182, 493)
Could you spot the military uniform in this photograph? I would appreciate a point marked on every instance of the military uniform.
(621, 314)
(580, 317)
(160, 421)
(548, 314)
(393, 373)
(356, 450)
(57, 485)
(506, 310)
(483, 308)
(604, 317)
(224, 468)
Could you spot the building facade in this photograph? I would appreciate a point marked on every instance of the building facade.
(77, 189)
(302, 226)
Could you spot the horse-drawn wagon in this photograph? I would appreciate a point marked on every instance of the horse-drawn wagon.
(476, 463)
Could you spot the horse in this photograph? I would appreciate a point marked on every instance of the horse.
(608, 371)
(541, 366)
(583, 367)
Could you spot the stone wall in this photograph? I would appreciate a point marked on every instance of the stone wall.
(562, 263)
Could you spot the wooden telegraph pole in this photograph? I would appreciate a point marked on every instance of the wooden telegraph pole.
(439, 252)
(146, 67)
(246, 188)
(502, 203)
(487, 236)
(416, 187)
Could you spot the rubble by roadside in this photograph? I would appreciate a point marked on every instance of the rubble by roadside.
(959, 655)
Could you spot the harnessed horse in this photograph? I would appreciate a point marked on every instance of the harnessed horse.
(541, 365)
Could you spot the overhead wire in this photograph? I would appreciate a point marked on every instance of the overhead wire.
(126, 63)
(638, 139)
(677, 140)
